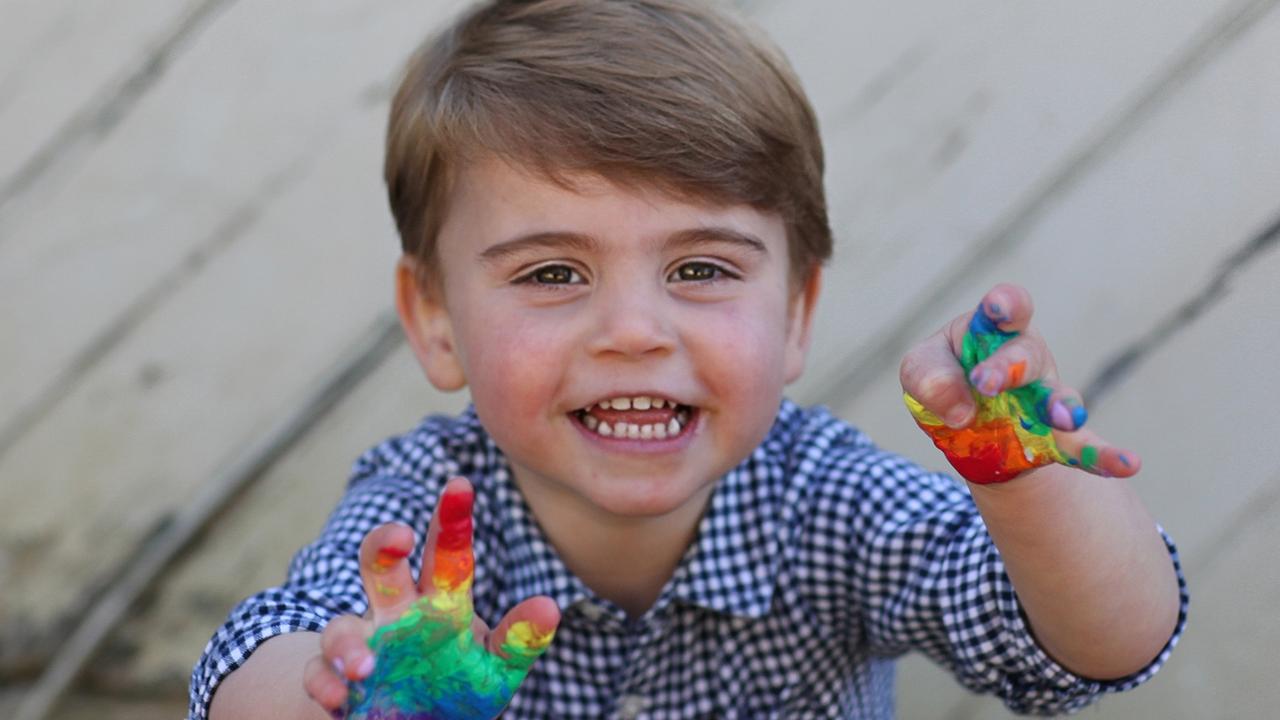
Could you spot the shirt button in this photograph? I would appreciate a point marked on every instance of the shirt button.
(630, 706)
(591, 611)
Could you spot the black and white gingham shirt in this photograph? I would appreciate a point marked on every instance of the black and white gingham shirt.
(820, 558)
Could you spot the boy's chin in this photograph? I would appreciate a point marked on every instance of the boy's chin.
(645, 498)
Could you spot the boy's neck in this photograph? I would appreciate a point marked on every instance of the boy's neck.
(625, 560)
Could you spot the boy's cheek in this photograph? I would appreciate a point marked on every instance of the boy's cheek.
(509, 368)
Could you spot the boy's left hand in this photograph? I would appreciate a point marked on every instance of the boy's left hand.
(986, 390)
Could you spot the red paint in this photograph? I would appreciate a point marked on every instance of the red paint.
(982, 454)
(393, 553)
(387, 557)
(454, 512)
(453, 563)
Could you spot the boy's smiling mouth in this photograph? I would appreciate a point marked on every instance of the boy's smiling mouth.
(636, 417)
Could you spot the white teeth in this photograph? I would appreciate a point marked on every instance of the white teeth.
(632, 431)
(635, 431)
(640, 402)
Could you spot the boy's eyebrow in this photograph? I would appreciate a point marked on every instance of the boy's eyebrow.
(549, 239)
(586, 243)
(715, 234)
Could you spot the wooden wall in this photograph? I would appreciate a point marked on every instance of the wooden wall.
(195, 266)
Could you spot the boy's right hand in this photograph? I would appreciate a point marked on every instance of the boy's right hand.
(433, 655)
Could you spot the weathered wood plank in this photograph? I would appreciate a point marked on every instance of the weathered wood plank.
(248, 106)
(95, 706)
(250, 545)
(946, 124)
(62, 63)
(1146, 231)
(1225, 667)
(203, 372)
(140, 573)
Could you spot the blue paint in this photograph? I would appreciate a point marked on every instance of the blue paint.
(1079, 415)
(982, 324)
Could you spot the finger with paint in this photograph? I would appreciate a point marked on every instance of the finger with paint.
(1015, 416)
(436, 660)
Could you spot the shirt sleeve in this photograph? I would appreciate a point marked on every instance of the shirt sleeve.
(935, 582)
(323, 582)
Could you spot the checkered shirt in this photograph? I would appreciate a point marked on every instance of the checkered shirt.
(819, 560)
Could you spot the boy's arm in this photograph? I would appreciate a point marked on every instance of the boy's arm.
(270, 683)
(1091, 571)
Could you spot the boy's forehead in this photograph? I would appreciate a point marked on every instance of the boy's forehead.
(492, 196)
(498, 179)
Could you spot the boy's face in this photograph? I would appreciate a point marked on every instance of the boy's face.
(556, 300)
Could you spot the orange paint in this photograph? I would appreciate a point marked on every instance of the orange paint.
(982, 453)
(1015, 373)
(387, 558)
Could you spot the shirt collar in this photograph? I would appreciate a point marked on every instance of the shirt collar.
(730, 568)
(530, 566)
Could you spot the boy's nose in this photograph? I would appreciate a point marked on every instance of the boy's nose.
(631, 322)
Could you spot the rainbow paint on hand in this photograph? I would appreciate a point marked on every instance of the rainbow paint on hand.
(429, 665)
(1011, 432)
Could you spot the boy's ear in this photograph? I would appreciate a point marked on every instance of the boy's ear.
(800, 322)
(426, 325)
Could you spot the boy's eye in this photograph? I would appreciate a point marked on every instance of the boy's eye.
(553, 275)
(697, 272)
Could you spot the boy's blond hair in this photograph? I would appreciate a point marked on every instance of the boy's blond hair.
(665, 94)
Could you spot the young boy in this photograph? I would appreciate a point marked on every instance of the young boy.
(613, 225)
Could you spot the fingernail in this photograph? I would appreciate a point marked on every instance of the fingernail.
(981, 323)
(366, 666)
(993, 309)
(978, 377)
(340, 666)
(957, 417)
(987, 382)
(1061, 417)
(1089, 457)
(1079, 415)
